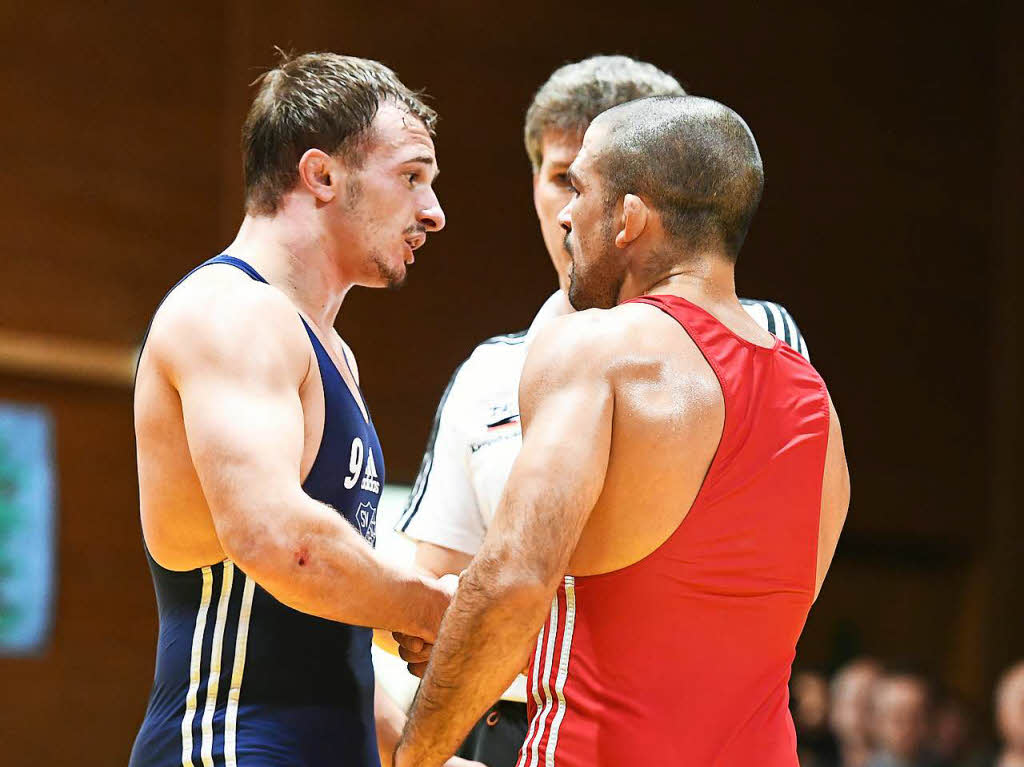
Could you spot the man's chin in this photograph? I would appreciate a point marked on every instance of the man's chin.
(578, 299)
(391, 276)
(582, 299)
(394, 280)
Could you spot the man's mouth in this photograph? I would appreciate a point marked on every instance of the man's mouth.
(410, 246)
(413, 243)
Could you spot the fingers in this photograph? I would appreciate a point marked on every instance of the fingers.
(414, 651)
(408, 641)
(415, 657)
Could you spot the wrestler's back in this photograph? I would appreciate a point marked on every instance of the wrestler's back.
(667, 422)
(672, 636)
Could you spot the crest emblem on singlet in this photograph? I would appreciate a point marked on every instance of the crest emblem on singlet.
(366, 522)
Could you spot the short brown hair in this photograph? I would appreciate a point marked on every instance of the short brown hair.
(577, 93)
(692, 159)
(317, 100)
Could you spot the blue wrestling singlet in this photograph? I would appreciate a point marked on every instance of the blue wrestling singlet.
(240, 678)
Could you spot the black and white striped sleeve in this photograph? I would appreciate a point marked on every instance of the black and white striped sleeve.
(776, 319)
(442, 508)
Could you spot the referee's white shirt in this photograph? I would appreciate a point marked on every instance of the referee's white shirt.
(476, 436)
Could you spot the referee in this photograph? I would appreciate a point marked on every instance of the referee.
(476, 434)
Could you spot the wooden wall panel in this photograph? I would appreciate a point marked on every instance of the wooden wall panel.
(80, 701)
(878, 125)
(111, 161)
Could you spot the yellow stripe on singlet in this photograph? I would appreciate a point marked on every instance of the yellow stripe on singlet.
(193, 670)
(206, 752)
(241, 640)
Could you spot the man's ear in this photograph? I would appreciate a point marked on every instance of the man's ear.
(634, 220)
(318, 173)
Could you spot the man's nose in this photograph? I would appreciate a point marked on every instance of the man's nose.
(432, 217)
(563, 218)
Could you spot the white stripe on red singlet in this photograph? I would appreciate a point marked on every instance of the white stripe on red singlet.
(563, 669)
(529, 756)
(542, 713)
(537, 658)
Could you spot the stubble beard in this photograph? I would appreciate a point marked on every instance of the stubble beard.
(392, 278)
(598, 286)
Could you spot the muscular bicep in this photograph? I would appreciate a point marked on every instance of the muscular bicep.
(244, 426)
(566, 404)
(245, 437)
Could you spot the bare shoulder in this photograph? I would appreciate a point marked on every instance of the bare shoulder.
(627, 339)
(635, 353)
(220, 318)
(582, 344)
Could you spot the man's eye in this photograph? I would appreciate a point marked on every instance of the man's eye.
(413, 178)
(562, 179)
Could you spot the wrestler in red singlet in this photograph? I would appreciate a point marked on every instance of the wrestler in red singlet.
(679, 493)
(683, 658)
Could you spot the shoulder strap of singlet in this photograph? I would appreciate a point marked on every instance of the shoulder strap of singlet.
(323, 358)
(701, 325)
(223, 258)
(703, 328)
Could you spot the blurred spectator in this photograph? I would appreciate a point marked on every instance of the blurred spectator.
(815, 744)
(850, 710)
(953, 731)
(1010, 717)
(901, 713)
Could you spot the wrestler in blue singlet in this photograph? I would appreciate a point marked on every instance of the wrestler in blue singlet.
(241, 679)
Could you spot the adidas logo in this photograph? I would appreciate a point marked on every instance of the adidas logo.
(370, 480)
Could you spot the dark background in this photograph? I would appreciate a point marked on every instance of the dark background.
(890, 228)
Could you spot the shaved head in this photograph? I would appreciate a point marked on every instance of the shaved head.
(691, 159)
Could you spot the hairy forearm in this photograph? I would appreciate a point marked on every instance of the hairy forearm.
(312, 560)
(486, 638)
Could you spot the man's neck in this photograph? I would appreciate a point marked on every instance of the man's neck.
(702, 279)
(295, 258)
